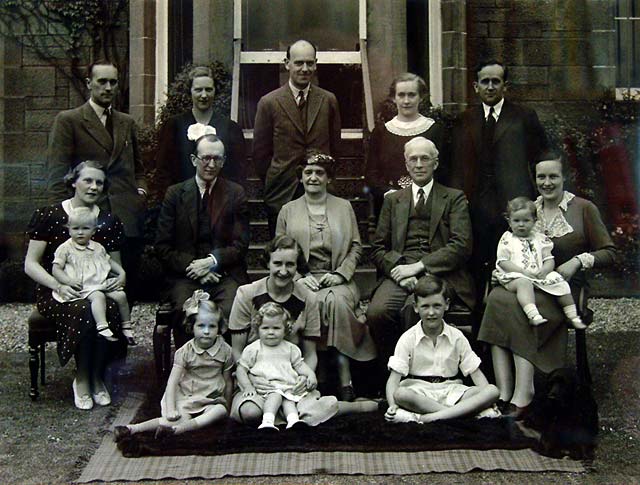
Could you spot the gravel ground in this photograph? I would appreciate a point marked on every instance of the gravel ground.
(611, 315)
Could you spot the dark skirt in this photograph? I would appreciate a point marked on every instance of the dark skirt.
(505, 324)
(74, 321)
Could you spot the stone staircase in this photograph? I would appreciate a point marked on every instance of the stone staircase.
(348, 183)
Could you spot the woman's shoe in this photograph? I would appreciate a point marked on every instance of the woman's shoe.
(83, 402)
(102, 398)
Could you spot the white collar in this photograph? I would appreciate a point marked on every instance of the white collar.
(99, 110)
(91, 245)
(497, 109)
(203, 185)
(558, 226)
(409, 128)
(426, 189)
(67, 207)
(446, 331)
(295, 91)
(212, 351)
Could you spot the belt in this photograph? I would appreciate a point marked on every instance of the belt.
(431, 379)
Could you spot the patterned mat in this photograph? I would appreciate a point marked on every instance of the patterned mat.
(108, 464)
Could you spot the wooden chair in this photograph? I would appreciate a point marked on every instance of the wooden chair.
(165, 316)
(41, 331)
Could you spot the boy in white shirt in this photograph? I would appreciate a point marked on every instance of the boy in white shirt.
(422, 386)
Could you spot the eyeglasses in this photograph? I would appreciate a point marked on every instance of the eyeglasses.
(425, 159)
(216, 159)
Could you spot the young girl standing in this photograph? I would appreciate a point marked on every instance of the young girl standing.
(200, 385)
(279, 362)
(84, 265)
(524, 261)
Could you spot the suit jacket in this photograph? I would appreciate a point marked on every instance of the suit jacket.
(173, 162)
(280, 141)
(77, 136)
(346, 252)
(177, 233)
(518, 140)
(449, 236)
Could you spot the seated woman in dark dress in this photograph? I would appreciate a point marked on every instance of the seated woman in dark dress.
(76, 329)
(580, 242)
(385, 162)
(173, 162)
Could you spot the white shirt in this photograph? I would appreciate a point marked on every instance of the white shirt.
(426, 189)
(416, 354)
(203, 185)
(497, 109)
(295, 91)
(100, 112)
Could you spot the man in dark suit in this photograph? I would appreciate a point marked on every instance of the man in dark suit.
(96, 131)
(291, 120)
(495, 145)
(203, 231)
(424, 228)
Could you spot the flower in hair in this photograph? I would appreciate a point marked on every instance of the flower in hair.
(198, 130)
(190, 306)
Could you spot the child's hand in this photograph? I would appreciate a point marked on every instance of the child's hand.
(300, 385)
(117, 283)
(173, 415)
(312, 382)
(249, 392)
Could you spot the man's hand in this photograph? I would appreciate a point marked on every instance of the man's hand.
(331, 279)
(199, 268)
(403, 271)
(408, 284)
(210, 278)
(310, 282)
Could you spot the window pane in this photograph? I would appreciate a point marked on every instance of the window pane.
(274, 24)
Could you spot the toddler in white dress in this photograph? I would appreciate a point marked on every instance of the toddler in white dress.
(84, 265)
(274, 359)
(524, 261)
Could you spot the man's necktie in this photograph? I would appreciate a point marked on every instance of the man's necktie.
(109, 122)
(302, 107)
(421, 205)
(205, 196)
(489, 128)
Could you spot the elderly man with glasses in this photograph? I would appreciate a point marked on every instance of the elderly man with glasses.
(203, 230)
(423, 229)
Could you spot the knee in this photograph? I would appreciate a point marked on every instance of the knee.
(492, 391)
(249, 413)
(98, 297)
(402, 395)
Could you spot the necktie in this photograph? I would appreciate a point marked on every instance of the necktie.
(205, 196)
(109, 122)
(489, 127)
(421, 205)
(301, 99)
(302, 107)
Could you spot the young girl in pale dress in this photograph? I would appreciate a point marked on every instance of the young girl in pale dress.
(200, 385)
(524, 261)
(84, 265)
(279, 362)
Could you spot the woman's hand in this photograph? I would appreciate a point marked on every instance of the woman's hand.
(310, 282)
(331, 279)
(261, 384)
(569, 268)
(67, 292)
(311, 382)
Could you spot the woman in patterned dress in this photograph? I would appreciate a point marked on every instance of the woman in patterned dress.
(76, 330)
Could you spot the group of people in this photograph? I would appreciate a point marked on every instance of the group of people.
(84, 249)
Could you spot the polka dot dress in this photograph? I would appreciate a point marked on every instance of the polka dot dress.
(73, 319)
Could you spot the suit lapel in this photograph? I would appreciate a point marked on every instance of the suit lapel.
(119, 135)
(190, 201)
(477, 123)
(313, 108)
(289, 106)
(438, 201)
(503, 122)
(95, 128)
(218, 199)
(401, 222)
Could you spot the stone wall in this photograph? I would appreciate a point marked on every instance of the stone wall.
(559, 52)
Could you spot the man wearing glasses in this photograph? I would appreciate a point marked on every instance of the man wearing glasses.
(203, 231)
(423, 228)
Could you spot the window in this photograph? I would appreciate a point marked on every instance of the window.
(628, 49)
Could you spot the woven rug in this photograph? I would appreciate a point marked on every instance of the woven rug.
(108, 464)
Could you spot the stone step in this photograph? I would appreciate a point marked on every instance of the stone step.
(345, 167)
(347, 187)
(351, 144)
(365, 279)
(260, 230)
(360, 206)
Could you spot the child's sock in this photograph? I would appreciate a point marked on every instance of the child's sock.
(532, 313)
(292, 419)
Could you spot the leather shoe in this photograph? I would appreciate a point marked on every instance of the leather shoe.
(121, 432)
(516, 412)
(83, 402)
(347, 393)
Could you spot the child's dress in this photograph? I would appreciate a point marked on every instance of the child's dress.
(202, 384)
(89, 264)
(530, 254)
(277, 364)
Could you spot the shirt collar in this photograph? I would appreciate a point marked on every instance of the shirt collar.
(91, 246)
(497, 109)
(295, 91)
(212, 351)
(446, 332)
(99, 110)
(564, 203)
(202, 184)
(426, 189)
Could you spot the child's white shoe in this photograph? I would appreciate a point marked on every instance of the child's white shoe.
(296, 424)
(577, 323)
(268, 426)
(537, 320)
(404, 416)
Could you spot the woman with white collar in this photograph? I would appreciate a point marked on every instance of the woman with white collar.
(385, 164)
